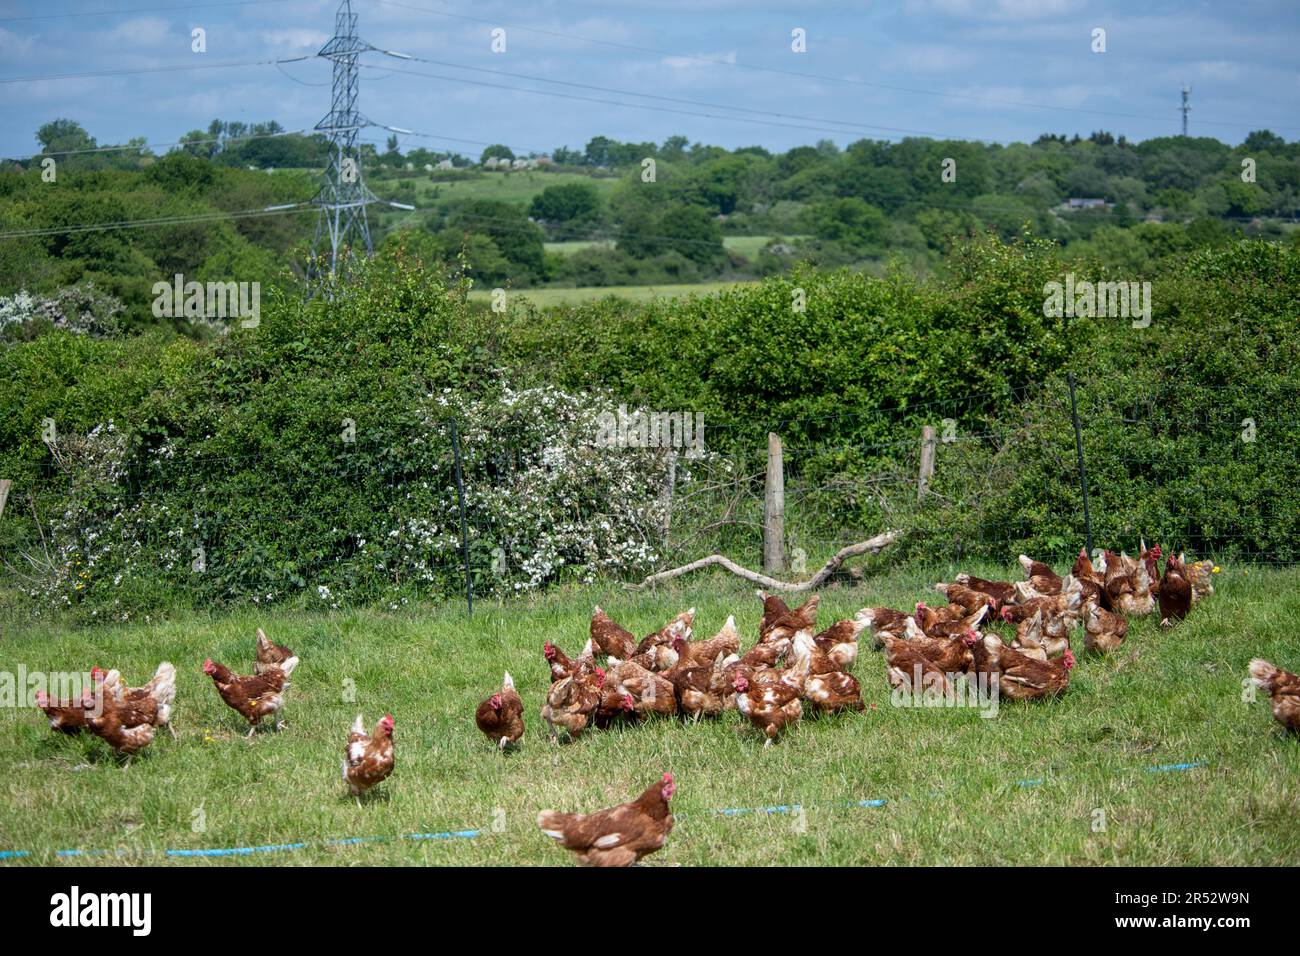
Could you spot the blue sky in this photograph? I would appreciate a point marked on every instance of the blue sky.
(1004, 70)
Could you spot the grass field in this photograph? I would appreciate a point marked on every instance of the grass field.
(516, 187)
(747, 246)
(544, 298)
(578, 245)
(1026, 787)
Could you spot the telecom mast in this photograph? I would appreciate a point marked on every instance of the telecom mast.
(1186, 107)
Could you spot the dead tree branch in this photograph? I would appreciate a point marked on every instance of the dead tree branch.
(870, 546)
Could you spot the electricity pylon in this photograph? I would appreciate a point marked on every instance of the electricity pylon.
(344, 195)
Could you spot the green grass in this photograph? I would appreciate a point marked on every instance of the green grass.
(568, 248)
(747, 246)
(1167, 697)
(544, 298)
(516, 187)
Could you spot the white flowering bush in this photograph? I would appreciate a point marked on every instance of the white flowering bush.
(546, 500)
(90, 540)
(16, 311)
(81, 309)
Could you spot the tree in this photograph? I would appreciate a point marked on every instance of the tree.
(674, 149)
(852, 223)
(692, 232)
(599, 151)
(507, 225)
(182, 171)
(688, 230)
(201, 144)
(392, 155)
(566, 203)
(1240, 199)
(1262, 140)
(497, 151)
(62, 135)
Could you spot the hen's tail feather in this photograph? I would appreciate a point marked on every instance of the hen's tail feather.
(552, 823)
(164, 683)
(1262, 673)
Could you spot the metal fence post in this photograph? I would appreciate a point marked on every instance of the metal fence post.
(460, 497)
(1078, 450)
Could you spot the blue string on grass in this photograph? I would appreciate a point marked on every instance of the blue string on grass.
(472, 834)
(1035, 782)
(268, 848)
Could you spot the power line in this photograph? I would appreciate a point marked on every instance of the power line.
(998, 101)
(133, 10)
(192, 142)
(591, 99)
(149, 223)
(673, 99)
(151, 69)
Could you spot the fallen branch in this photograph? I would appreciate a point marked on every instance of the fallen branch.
(870, 546)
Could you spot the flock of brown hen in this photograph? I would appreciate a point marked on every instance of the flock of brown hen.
(125, 717)
(790, 666)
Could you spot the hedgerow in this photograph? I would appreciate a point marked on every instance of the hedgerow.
(311, 459)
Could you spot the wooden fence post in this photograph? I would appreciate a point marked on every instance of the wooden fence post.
(774, 507)
(927, 461)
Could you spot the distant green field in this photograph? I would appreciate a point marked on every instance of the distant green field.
(544, 298)
(747, 246)
(577, 245)
(518, 187)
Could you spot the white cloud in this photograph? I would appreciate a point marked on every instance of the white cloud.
(12, 45)
(1218, 69)
(699, 60)
(149, 32)
(996, 97)
(930, 58)
(295, 39)
(999, 10)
